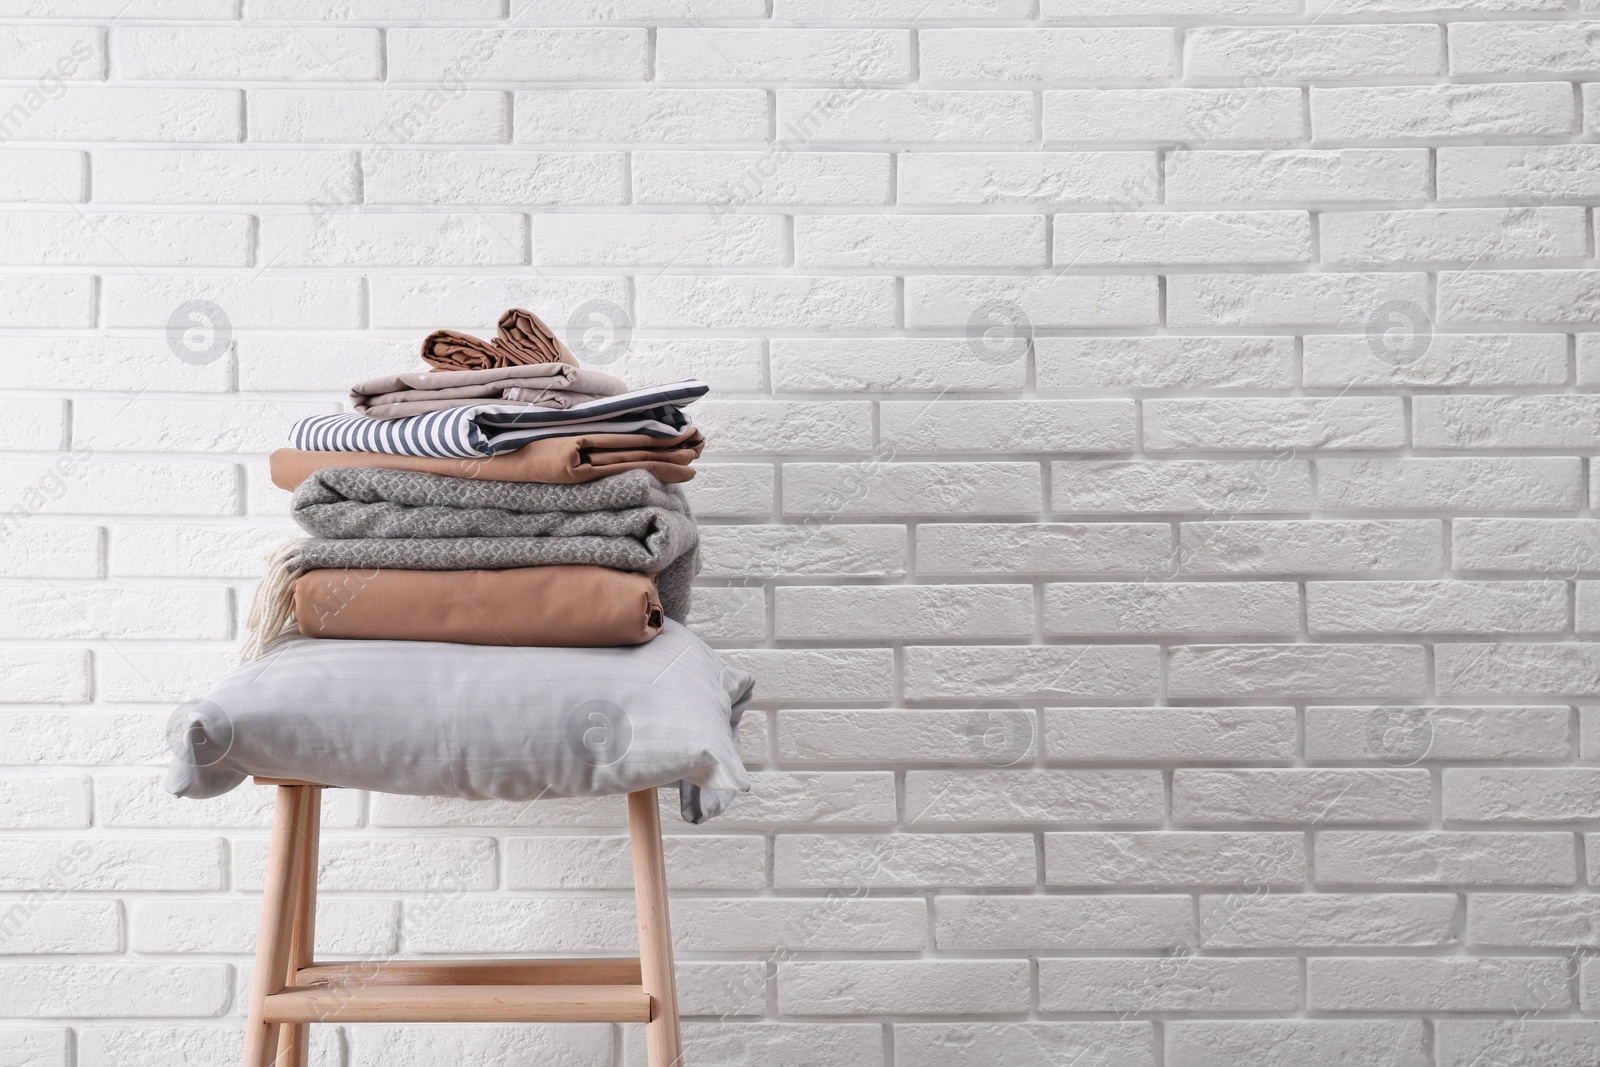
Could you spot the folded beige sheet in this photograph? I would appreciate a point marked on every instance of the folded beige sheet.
(556, 385)
(523, 338)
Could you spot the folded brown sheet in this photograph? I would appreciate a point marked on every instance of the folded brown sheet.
(553, 460)
(562, 606)
(557, 385)
(523, 338)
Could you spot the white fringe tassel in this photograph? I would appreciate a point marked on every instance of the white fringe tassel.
(272, 609)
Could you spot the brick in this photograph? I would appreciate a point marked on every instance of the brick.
(562, 862)
(725, 1042)
(1046, 55)
(1173, 983)
(780, 175)
(774, 551)
(1458, 235)
(1216, 487)
(1537, 172)
(608, 10)
(61, 927)
(389, 240)
(1453, 984)
(207, 176)
(216, 53)
(1328, 920)
(1529, 920)
(1436, 607)
(1296, 175)
(149, 425)
(1447, 733)
(257, 300)
(51, 54)
(34, 422)
(40, 550)
(919, 241)
(378, 116)
(269, 364)
(942, 672)
(1312, 670)
(648, 116)
(1026, 177)
(1039, 300)
(735, 364)
(1441, 112)
(907, 861)
(165, 239)
(1030, 924)
(1083, 608)
(34, 1046)
(1503, 794)
(1175, 859)
(1028, 796)
(1484, 359)
(1293, 1042)
(454, 922)
(375, 1045)
(820, 924)
(474, 302)
(823, 491)
(1315, 797)
(517, 178)
(1055, 549)
(818, 674)
(966, 1044)
(1525, 48)
(98, 864)
(1145, 363)
(438, 868)
(519, 55)
(1303, 53)
(131, 612)
(804, 798)
(1274, 423)
(811, 303)
(1517, 1043)
(136, 9)
(192, 550)
(77, 486)
(791, 426)
(733, 490)
(1068, 9)
(1314, 546)
(911, 612)
(889, 364)
(1443, 857)
(658, 240)
(997, 735)
(1466, 484)
(123, 113)
(1102, 734)
(901, 9)
(1548, 421)
(1157, 238)
(343, 927)
(44, 676)
(114, 989)
(903, 987)
(905, 116)
(1551, 296)
(1222, 300)
(161, 675)
(1464, 669)
(46, 300)
(729, 614)
(1024, 426)
(367, 10)
(44, 175)
(786, 56)
(1191, 116)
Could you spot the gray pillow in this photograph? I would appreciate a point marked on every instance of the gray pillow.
(473, 721)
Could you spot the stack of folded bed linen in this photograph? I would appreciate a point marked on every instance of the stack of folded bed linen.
(505, 497)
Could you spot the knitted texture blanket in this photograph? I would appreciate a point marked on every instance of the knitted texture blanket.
(365, 517)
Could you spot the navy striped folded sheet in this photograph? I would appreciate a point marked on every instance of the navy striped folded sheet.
(490, 429)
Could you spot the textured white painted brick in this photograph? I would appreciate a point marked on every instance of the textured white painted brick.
(386, 116)
(64, 487)
(46, 300)
(1520, 296)
(919, 241)
(898, 364)
(1175, 983)
(1317, 797)
(187, 176)
(34, 1046)
(1297, 174)
(1166, 858)
(1021, 426)
(252, 300)
(1517, 1043)
(1081, 608)
(1155, 238)
(1195, 117)
(377, 1045)
(136, 9)
(121, 113)
(786, 176)
(166, 239)
(1440, 857)
(1538, 172)
(34, 422)
(192, 550)
(49, 550)
(1544, 794)
(793, 303)
(433, 240)
(1026, 177)
(1274, 424)
(997, 736)
(1045, 300)
(874, 10)
(1453, 984)
(1043, 548)
(44, 676)
(39, 802)
(1438, 606)
(1220, 300)
(213, 425)
(903, 987)
(141, 674)
(109, 863)
(1217, 487)
(45, 175)
(1484, 359)
(113, 989)
(1467, 668)
(1469, 235)
(1525, 48)
(1442, 112)
(903, 860)
(855, 612)
(110, 612)
(1025, 796)
(1322, 53)
(214, 53)
(1277, 920)
(1295, 1041)
(1099, 734)
(801, 798)
(1310, 547)
(659, 240)
(1313, 670)
(476, 301)
(1142, 363)
(1077, 923)
(452, 56)
(1050, 55)
(1358, 733)
(51, 53)
(519, 178)
(967, 1044)
(1056, 670)
(801, 925)
(552, 862)
(642, 115)
(820, 492)
(782, 55)
(905, 116)
(1490, 484)
(344, 927)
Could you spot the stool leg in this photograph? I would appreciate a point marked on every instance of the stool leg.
(294, 1039)
(277, 924)
(655, 934)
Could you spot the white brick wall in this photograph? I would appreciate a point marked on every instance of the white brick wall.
(1210, 681)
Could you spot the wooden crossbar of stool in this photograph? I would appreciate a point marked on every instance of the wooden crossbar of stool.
(292, 990)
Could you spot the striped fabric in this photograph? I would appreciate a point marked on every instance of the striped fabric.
(490, 429)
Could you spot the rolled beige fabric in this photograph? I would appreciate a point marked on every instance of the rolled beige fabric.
(523, 338)
(562, 606)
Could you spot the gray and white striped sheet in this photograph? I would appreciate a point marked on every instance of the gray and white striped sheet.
(490, 429)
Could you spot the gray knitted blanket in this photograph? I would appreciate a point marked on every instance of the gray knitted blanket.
(373, 517)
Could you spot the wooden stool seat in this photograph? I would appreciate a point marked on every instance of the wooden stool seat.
(291, 990)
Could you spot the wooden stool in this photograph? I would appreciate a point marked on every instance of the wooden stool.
(291, 990)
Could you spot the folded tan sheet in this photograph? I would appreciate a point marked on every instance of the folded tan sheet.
(557, 385)
(552, 460)
(563, 606)
(523, 338)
